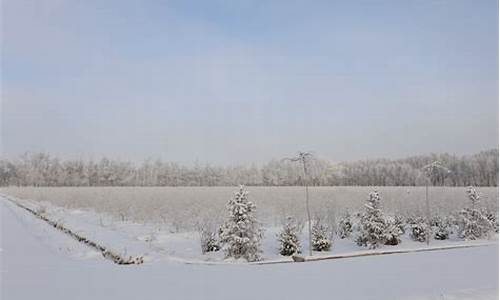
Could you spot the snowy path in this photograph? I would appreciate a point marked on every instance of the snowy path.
(31, 269)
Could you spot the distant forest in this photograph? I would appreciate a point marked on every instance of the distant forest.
(41, 169)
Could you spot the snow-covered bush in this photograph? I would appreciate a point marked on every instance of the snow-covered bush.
(356, 221)
(391, 235)
(372, 224)
(209, 241)
(411, 219)
(474, 223)
(288, 238)
(241, 233)
(400, 223)
(493, 218)
(419, 229)
(435, 221)
(452, 221)
(392, 232)
(345, 226)
(320, 237)
(440, 227)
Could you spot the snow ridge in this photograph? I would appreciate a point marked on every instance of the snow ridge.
(107, 253)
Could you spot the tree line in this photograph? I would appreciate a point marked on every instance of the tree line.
(42, 169)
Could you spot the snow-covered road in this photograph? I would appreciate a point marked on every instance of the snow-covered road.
(32, 268)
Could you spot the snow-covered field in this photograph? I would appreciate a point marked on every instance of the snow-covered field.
(180, 208)
(40, 262)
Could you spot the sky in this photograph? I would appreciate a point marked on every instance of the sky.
(240, 81)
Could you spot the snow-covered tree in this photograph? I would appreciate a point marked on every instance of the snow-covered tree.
(474, 223)
(372, 224)
(320, 237)
(241, 234)
(289, 238)
(40, 169)
(345, 226)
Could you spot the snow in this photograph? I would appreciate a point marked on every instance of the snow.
(41, 262)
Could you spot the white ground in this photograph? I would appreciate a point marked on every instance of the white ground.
(39, 262)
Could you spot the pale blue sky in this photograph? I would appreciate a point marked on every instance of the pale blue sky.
(247, 81)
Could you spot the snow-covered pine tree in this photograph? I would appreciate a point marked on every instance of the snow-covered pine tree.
(320, 237)
(474, 223)
(345, 226)
(419, 229)
(288, 238)
(241, 233)
(372, 224)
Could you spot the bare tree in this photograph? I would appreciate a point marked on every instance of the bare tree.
(40, 169)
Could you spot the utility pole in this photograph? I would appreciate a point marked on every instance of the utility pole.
(303, 157)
